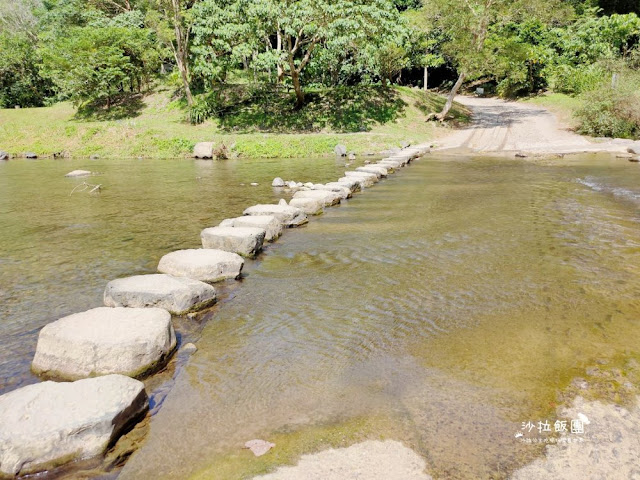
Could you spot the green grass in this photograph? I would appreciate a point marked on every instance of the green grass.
(365, 119)
(562, 105)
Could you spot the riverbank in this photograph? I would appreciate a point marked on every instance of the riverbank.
(365, 120)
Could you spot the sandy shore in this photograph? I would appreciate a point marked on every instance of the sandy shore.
(505, 127)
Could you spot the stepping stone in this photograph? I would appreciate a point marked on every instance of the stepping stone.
(362, 182)
(310, 206)
(350, 183)
(287, 215)
(128, 341)
(245, 241)
(270, 224)
(47, 424)
(327, 197)
(344, 192)
(390, 164)
(374, 178)
(401, 161)
(378, 171)
(178, 295)
(205, 264)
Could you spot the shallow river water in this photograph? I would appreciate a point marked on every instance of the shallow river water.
(442, 308)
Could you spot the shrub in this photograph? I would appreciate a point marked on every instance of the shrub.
(576, 79)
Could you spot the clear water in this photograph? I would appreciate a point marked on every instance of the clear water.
(441, 308)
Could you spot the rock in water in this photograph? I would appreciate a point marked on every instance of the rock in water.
(287, 215)
(48, 424)
(245, 241)
(310, 206)
(30, 155)
(378, 171)
(101, 341)
(340, 150)
(178, 295)
(327, 197)
(203, 150)
(268, 223)
(4, 155)
(259, 447)
(352, 156)
(278, 182)
(78, 173)
(635, 159)
(206, 265)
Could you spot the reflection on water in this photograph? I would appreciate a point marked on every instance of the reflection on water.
(57, 251)
(441, 308)
(447, 305)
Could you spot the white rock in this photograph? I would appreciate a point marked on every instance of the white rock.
(259, 447)
(128, 341)
(282, 202)
(308, 185)
(362, 182)
(203, 150)
(245, 241)
(310, 206)
(189, 348)
(178, 295)
(254, 184)
(379, 171)
(291, 184)
(335, 187)
(277, 182)
(327, 197)
(389, 164)
(268, 223)
(78, 173)
(206, 265)
(371, 176)
(47, 424)
(287, 215)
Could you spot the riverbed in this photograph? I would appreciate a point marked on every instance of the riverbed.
(442, 308)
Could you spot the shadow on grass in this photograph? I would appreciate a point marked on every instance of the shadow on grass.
(123, 106)
(243, 109)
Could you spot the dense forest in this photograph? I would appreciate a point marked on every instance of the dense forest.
(99, 53)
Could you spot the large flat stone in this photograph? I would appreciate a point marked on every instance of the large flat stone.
(48, 424)
(351, 183)
(310, 206)
(203, 150)
(287, 215)
(270, 224)
(245, 241)
(390, 164)
(178, 295)
(128, 341)
(204, 264)
(378, 171)
(327, 197)
(362, 182)
(341, 189)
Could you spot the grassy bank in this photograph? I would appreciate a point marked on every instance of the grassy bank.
(365, 119)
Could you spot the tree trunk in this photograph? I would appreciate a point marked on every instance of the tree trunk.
(295, 79)
(279, 49)
(185, 80)
(181, 50)
(426, 79)
(447, 106)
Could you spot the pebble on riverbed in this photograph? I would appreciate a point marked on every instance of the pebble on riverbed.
(259, 447)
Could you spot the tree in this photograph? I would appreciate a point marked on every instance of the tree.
(467, 25)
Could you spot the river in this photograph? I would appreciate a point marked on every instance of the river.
(443, 308)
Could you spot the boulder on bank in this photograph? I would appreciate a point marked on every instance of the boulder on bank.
(310, 206)
(31, 155)
(270, 224)
(4, 155)
(278, 182)
(78, 173)
(47, 424)
(101, 341)
(203, 150)
(327, 197)
(245, 241)
(634, 149)
(287, 215)
(178, 295)
(206, 265)
(340, 150)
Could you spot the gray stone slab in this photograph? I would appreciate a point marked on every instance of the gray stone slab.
(245, 241)
(270, 224)
(287, 215)
(206, 265)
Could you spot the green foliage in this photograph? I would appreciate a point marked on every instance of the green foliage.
(612, 112)
(575, 79)
(96, 65)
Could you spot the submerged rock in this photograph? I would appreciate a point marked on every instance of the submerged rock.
(178, 295)
(78, 173)
(287, 215)
(206, 265)
(48, 424)
(269, 223)
(101, 341)
(245, 241)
